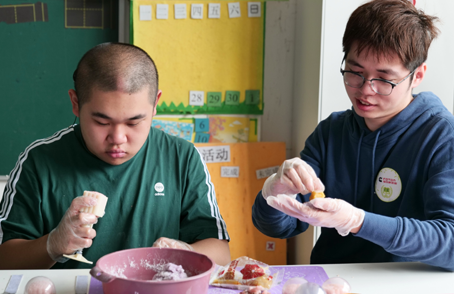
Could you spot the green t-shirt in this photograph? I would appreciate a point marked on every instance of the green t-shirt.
(163, 191)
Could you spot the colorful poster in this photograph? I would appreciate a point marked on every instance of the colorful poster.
(229, 129)
(175, 128)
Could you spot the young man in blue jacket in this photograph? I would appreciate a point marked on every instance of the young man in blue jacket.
(386, 166)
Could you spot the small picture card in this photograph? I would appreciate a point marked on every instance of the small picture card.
(202, 138)
(180, 11)
(270, 246)
(145, 12)
(266, 172)
(234, 10)
(214, 10)
(252, 97)
(230, 171)
(197, 11)
(196, 98)
(214, 99)
(202, 125)
(162, 11)
(254, 9)
(232, 97)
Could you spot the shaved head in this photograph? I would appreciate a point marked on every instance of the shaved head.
(115, 67)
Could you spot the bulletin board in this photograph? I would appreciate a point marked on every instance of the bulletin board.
(206, 64)
(42, 42)
(238, 172)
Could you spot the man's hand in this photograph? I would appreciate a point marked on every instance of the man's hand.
(74, 231)
(171, 243)
(294, 176)
(323, 212)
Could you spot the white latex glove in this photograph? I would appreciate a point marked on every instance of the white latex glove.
(294, 176)
(74, 231)
(323, 212)
(164, 242)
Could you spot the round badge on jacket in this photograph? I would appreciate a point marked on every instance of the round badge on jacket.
(388, 185)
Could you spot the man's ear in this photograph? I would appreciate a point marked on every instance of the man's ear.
(419, 74)
(156, 102)
(74, 102)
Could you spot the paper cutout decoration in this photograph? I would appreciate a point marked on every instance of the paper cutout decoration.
(27, 12)
(174, 128)
(83, 14)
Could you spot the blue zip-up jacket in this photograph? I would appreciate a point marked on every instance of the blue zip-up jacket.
(401, 175)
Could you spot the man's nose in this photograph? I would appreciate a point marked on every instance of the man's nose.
(117, 135)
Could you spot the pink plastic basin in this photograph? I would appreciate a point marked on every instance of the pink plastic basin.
(129, 271)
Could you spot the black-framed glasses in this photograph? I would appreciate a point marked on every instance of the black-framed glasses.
(379, 86)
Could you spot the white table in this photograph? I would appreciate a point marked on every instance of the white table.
(372, 278)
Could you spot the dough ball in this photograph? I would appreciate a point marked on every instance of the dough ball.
(336, 285)
(40, 285)
(310, 288)
(292, 285)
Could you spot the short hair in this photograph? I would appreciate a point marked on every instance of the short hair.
(391, 26)
(104, 64)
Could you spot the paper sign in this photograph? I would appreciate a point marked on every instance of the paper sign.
(196, 11)
(230, 171)
(234, 10)
(196, 98)
(214, 154)
(254, 9)
(162, 11)
(202, 138)
(266, 172)
(232, 98)
(252, 97)
(180, 11)
(145, 12)
(202, 125)
(214, 99)
(214, 10)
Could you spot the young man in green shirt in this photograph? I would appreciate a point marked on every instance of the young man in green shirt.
(158, 186)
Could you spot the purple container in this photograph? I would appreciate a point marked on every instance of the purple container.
(132, 270)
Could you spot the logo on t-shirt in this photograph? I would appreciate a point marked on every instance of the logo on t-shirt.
(159, 187)
(388, 185)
